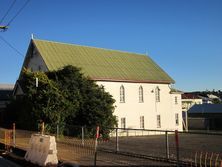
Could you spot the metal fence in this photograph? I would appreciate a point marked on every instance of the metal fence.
(126, 147)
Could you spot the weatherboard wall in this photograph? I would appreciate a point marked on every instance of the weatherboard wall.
(132, 109)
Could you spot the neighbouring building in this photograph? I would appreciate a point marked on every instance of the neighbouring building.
(205, 117)
(142, 90)
(6, 91)
(190, 99)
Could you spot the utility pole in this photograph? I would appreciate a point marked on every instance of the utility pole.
(3, 27)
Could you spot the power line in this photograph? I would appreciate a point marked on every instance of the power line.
(12, 47)
(7, 11)
(19, 11)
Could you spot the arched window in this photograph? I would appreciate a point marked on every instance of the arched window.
(157, 94)
(141, 94)
(122, 94)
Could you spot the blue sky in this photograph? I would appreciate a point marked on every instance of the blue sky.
(183, 36)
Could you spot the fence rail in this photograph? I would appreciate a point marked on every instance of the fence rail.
(129, 146)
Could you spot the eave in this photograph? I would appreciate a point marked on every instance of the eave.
(131, 81)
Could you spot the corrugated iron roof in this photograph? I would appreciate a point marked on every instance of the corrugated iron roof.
(173, 90)
(190, 96)
(205, 109)
(102, 64)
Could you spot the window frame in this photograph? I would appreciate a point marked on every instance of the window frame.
(123, 122)
(177, 119)
(158, 119)
(122, 94)
(141, 99)
(175, 100)
(142, 124)
(157, 94)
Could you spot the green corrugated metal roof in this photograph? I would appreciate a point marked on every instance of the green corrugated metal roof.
(173, 90)
(102, 64)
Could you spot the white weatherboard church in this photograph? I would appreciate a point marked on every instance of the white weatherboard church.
(142, 90)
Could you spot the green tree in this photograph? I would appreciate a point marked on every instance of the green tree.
(63, 97)
(216, 101)
(43, 103)
(94, 106)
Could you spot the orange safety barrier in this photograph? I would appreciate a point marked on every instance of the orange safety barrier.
(8, 139)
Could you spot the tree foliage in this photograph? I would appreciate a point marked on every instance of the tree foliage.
(64, 97)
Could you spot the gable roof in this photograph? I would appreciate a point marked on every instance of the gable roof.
(102, 64)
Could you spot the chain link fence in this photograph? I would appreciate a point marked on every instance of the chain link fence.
(124, 147)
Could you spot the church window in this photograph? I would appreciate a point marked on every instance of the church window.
(122, 94)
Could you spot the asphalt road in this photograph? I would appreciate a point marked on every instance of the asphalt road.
(7, 163)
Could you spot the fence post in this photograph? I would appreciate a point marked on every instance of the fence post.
(13, 131)
(57, 131)
(96, 143)
(42, 128)
(6, 140)
(117, 140)
(82, 136)
(167, 146)
(177, 146)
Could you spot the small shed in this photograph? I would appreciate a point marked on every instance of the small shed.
(205, 117)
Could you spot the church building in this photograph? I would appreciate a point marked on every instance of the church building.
(142, 90)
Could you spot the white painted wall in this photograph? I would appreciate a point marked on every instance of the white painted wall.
(132, 109)
(176, 108)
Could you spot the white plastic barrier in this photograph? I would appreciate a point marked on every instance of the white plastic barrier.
(42, 150)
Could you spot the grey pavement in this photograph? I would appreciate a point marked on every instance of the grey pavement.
(6, 163)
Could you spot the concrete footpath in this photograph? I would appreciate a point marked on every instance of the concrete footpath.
(6, 163)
